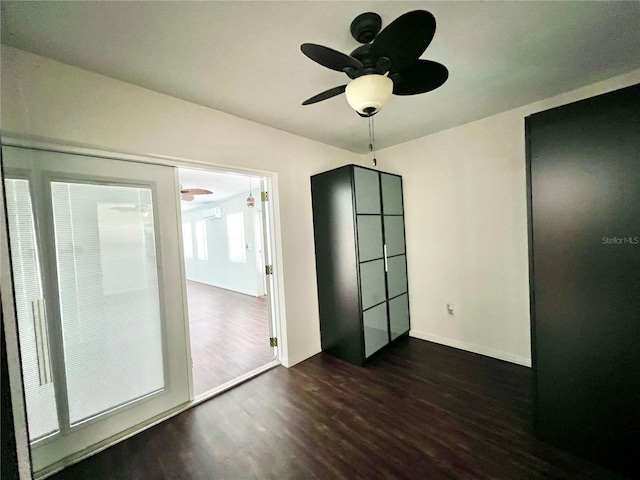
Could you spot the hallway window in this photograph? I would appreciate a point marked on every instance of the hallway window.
(235, 237)
(187, 240)
(201, 240)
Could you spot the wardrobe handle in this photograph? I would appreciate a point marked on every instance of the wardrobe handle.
(386, 264)
(42, 341)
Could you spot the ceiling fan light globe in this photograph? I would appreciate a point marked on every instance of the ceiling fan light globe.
(368, 94)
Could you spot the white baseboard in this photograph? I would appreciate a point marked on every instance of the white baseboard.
(226, 287)
(450, 342)
(470, 347)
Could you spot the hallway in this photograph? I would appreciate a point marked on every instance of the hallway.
(229, 334)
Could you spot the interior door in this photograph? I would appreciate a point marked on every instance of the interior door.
(268, 260)
(96, 262)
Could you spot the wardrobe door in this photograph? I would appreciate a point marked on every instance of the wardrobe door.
(584, 180)
(374, 316)
(371, 259)
(395, 250)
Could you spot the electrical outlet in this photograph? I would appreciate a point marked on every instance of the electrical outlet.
(450, 308)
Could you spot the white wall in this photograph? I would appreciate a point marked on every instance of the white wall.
(465, 196)
(57, 102)
(217, 270)
(466, 224)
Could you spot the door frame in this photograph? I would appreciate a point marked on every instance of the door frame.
(46, 169)
(268, 242)
(9, 319)
(10, 326)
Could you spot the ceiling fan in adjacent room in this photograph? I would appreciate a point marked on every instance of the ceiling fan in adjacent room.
(387, 62)
(189, 194)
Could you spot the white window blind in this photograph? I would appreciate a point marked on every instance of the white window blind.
(235, 237)
(187, 240)
(39, 391)
(109, 295)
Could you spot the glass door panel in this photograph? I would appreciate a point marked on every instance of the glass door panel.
(32, 329)
(399, 315)
(109, 295)
(391, 194)
(372, 286)
(376, 334)
(397, 275)
(369, 237)
(367, 186)
(107, 238)
(394, 235)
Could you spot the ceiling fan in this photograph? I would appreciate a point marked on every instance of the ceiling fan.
(189, 194)
(387, 62)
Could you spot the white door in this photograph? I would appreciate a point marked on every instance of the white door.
(96, 263)
(259, 251)
(268, 259)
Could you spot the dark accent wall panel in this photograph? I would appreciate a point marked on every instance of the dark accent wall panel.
(583, 163)
(336, 266)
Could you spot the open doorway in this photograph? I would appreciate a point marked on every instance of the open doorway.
(230, 321)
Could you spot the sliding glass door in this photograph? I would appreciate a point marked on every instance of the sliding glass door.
(99, 293)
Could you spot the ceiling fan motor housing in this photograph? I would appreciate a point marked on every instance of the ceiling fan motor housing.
(366, 26)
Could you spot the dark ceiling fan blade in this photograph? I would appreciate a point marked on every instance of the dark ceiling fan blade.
(423, 76)
(405, 39)
(332, 92)
(330, 58)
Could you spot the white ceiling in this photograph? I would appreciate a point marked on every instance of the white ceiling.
(223, 185)
(243, 57)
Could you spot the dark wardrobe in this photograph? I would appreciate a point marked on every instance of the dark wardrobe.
(361, 266)
(583, 162)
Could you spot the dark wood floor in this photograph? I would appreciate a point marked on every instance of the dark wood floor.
(419, 411)
(229, 334)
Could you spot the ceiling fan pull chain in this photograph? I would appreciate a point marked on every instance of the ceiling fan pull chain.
(372, 140)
